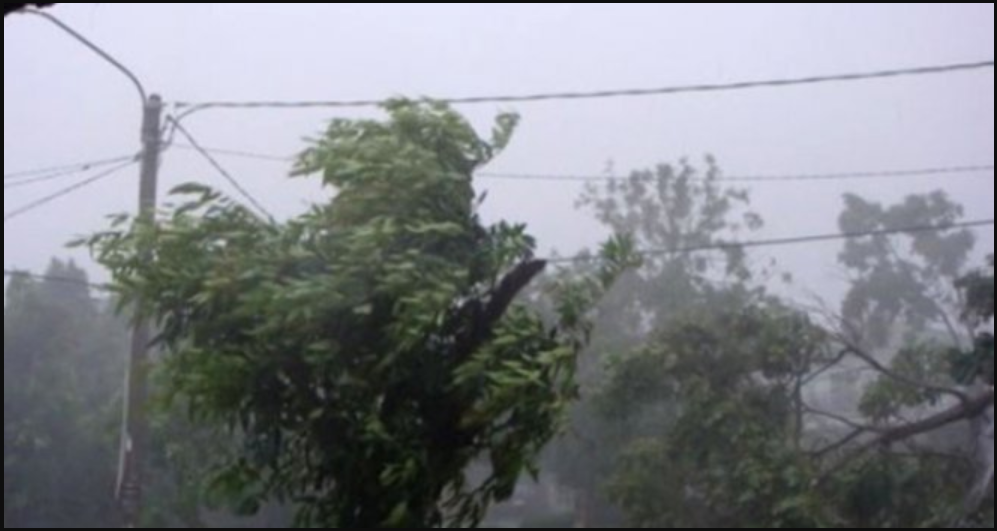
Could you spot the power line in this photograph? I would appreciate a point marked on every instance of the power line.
(236, 153)
(888, 174)
(45, 178)
(43, 173)
(221, 170)
(782, 242)
(47, 278)
(621, 93)
(66, 191)
(62, 174)
(857, 175)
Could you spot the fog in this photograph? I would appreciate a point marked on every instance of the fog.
(62, 105)
(882, 140)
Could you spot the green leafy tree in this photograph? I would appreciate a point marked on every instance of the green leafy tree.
(917, 318)
(716, 394)
(370, 349)
(716, 428)
(724, 444)
(977, 365)
(978, 289)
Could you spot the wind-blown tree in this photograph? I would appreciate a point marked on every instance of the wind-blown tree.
(978, 365)
(978, 289)
(671, 208)
(666, 208)
(919, 320)
(725, 437)
(909, 281)
(370, 349)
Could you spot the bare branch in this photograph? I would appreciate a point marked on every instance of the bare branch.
(484, 317)
(826, 367)
(510, 287)
(843, 442)
(985, 485)
(901, 433)
(858, 352)
(965, 411)
(954, 335)
(842, 420)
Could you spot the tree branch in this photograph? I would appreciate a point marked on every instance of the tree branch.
(916, 274)
(509, 289)
(477, 319)
(845, 441)
(965, 411)
(985, 485)
(900, 378)
(842, 420)
(887, 436)
(828, 366)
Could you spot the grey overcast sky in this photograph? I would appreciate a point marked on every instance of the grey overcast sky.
(63, 105)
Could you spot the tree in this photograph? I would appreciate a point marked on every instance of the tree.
(714, 403)
(64, 363)
(370, 349)
(978, 290)
(722, 443)
(919, 399)
(715, 393)
(909, 280)
(911, 321)
(919, 320)
(62, 379)
(978, 364)
(668, 207)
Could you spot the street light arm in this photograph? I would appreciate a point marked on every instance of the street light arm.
(93, 47)
(11, 7)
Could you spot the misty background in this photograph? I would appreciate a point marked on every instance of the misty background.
(63, 105)
(694, 363)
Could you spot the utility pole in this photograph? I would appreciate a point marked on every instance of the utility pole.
(135, 432)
